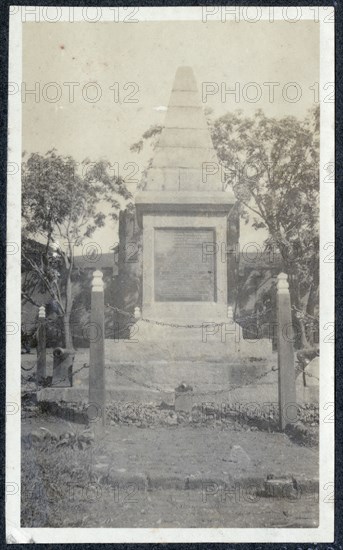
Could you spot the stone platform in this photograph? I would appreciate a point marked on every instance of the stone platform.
(214, 360)
(136, 373)
(157, 359)
(191, 339)
(209, 354)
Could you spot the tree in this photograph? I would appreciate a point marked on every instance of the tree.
(273, 167)
(61, 207)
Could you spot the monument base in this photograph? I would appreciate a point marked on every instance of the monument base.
(204, 356)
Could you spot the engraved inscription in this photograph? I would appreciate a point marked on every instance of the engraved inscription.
(182, 272)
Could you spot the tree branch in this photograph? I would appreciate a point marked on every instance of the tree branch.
(29, 299)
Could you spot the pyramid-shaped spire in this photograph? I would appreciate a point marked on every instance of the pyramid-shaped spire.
(185, 144)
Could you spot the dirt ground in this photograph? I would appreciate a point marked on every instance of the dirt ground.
(151, 474)
(173, 509)
(185, 450)
(101, 485)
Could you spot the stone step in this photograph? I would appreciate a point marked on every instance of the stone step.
(195, 373)
(114, 394)
(186, 350)
(199, 330)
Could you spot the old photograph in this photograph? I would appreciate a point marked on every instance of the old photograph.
(170, 274)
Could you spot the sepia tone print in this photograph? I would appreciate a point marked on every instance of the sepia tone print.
(170, 274)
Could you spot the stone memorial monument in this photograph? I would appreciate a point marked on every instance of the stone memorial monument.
(184, 331)
(183, 212)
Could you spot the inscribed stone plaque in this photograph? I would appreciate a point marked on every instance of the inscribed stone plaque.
(182, 272)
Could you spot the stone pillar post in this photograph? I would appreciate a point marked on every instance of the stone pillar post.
(287, 393)
(230, 314)
(97, 350)
(41, 346)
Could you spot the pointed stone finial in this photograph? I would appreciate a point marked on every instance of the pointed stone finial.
(282, 283)
(185, 80)
(97, 282)
(185, 146)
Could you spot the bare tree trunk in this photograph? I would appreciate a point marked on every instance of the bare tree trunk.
(69, 262)
(313, 299)
(301, 340)
(298, 321)
(304, 343)
(68, 338)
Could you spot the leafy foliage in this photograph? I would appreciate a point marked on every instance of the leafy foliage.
(273, 168)
(151, 134)
(61, 207)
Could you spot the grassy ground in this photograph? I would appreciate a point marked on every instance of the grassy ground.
(136, 472)
(103, 484)
(80, 504)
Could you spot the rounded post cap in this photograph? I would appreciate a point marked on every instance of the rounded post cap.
(97, 281)
(41, 312)
(137, 313)
(282, 283)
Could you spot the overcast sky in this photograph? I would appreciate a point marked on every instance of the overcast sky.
(148, 54)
